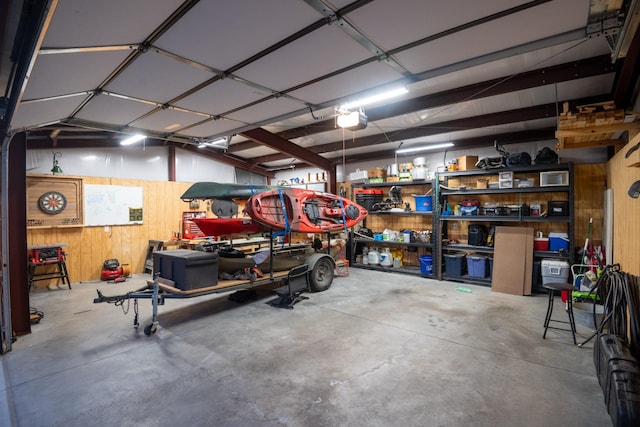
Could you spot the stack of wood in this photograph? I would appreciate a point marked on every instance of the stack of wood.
(593, 125)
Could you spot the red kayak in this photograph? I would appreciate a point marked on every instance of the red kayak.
(307, 211)
(228, 226)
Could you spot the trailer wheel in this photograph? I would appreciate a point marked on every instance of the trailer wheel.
(321, 275)
(150, 329)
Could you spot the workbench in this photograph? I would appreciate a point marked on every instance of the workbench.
(42, 256)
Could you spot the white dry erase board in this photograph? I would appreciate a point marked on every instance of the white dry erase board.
(112, 205)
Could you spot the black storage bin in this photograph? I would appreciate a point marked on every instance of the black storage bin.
(558, 208)
(477, 234)
(188, 269)
(536, 278)
(518, 210)
(623, 398)
(608, 351)
(454, 264)
(368, 198)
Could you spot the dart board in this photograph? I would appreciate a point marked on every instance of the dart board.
(52, 202)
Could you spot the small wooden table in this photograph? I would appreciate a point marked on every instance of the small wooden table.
(47, 255)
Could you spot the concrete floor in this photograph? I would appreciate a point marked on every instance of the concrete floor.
(376, 349)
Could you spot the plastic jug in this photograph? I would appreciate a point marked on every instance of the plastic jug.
(386, 260)
(373, 256)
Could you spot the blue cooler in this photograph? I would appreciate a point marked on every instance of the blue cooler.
(558, 241)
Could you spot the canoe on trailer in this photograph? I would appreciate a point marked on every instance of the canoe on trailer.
(222, 191)
(228, 226)
(304, 211)
(266, 260)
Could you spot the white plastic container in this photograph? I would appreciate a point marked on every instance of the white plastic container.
(419, 172)
(554, 271)
(386, 260)
(373, 256)
(554, 178)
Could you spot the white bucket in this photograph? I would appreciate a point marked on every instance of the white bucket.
(583, 313)
(419, 172)
(422, 161)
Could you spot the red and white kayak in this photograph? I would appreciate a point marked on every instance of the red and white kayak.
(304, 211)
(228, 226)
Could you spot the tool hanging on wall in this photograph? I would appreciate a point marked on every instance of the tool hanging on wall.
(634, 190)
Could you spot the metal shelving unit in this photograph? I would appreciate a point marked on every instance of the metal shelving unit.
(358, 242)
(443, 192)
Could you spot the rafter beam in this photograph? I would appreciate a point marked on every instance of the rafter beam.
(545, 76)
(264, 137)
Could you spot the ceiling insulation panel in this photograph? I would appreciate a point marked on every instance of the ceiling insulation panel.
(113, 110)
(158, 78)
(33, 114)
(223, 33)
(66, 73)
(103, 23)
(323, 51)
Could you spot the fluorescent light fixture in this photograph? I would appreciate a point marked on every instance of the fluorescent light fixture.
(424, 148)
(222, 142)
(172, 126)
(374, 98)
(132, 139)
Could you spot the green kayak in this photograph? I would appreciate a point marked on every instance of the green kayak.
(223, 191)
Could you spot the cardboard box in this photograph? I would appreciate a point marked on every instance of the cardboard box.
(482, 183)
(467, 162)
(513, 260)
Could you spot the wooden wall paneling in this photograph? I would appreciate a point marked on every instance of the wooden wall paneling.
(90, 246)
(626, 211)
(69, 187)
(589, 186)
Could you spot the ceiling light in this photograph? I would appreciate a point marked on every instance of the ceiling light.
(172, 126)
(374, 98)
(132, 139)
(222, 142)
(424, 148)
(353, 121)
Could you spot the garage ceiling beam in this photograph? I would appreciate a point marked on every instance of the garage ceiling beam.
(264, 137)
(468, 143)
(493, 119)
(545, 76)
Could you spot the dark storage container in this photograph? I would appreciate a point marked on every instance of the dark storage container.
(558, 208)
(536, 279)
(518, 210)
(188, 269)
(368, 197)
(454, 264)
(623, 398)
(477, 234)
(608, 351)
(477, 266)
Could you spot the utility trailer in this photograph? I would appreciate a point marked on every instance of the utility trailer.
(321, 267)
